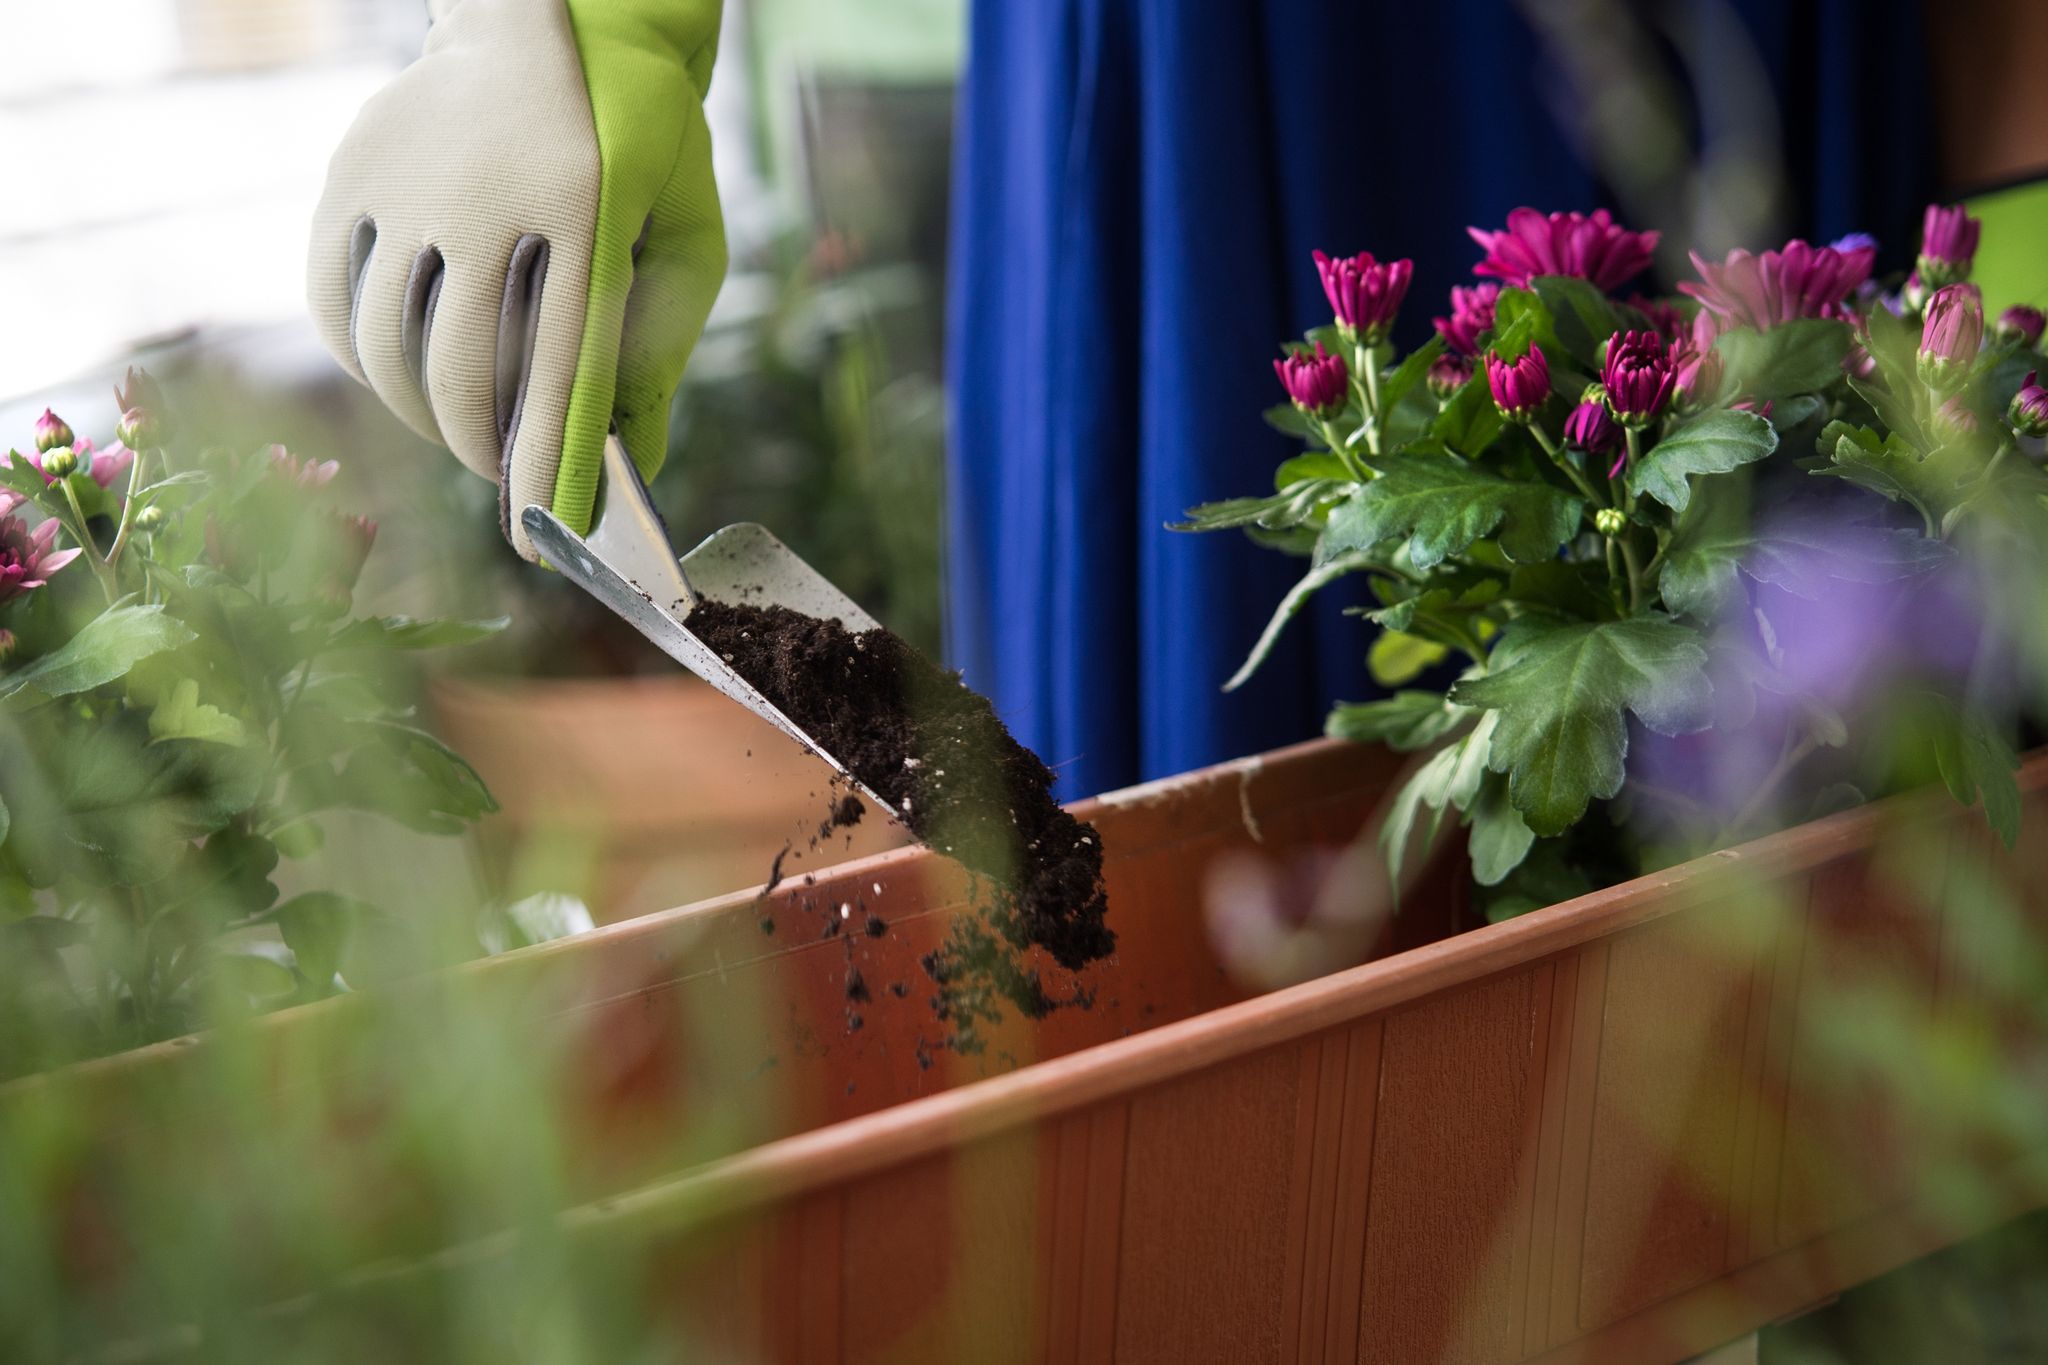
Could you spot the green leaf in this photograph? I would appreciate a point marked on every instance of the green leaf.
(1288, 420)
(104, 649)
(1712, 443)
(181, 715)
(1397, 657)
(1890, 467)
(1291, 506)
(317, 927)
(5, 821)
(1581, 316)
(1975, 761)
(1313, 464)
(1297, 597)
(1545, 878)
(1407, 720)
(1561, 696)
(1469, 422)
(1500, 837)
(1803, 356)
(1410, 372)
(403, 632)
(1449, 779)
(1442, 504)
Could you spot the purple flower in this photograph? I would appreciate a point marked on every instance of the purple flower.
(1952, 334)
(1638, 377)
(1364, 293)
(1471, 316)
(1948, 243)
(1854, 241)
(1591, 429)
(1519, 386)
(1314, 380)
(52, 431)
(312, 473)
(26, 559)
(2029, 411)
(2022, 323)
(1448, 373)
(1800, 281)
(1592, 247)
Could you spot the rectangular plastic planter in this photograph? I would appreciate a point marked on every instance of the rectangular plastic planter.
(1623, 1128)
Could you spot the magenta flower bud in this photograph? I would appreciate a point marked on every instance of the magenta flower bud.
(1695, 374)
(1315, 380)
(1471, 317)
(139, 389)
(1666, 318)
(1593, 247)
(1955, 419)
(52, 431)
(355, 537)
(2029, 411)
(2022, 323)
(1638, 377)
(304, 473)
(1952, 334)
(1859, 364)
(1591, 429)
(139, 429)
(1448, 373)
(1948, 243)
(1800, 281)
(27, 558)
(1364, 293)
(1519, 386)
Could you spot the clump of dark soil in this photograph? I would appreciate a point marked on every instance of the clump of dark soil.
(918, 738)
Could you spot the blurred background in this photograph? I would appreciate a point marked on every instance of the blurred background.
(159, 163)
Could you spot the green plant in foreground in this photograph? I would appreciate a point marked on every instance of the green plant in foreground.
(179, 707)
(1590, 518)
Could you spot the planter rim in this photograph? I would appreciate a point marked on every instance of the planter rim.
(982, 1109)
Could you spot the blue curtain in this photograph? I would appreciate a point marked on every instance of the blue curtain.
(1137, 187)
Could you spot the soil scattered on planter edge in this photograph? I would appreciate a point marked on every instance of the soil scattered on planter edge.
(936, 751)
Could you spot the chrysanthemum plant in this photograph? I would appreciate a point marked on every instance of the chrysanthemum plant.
(184, 694)
(1592, 523)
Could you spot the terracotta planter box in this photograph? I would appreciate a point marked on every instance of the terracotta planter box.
(1625, 1128)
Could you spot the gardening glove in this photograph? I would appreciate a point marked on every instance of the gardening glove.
(520, 238)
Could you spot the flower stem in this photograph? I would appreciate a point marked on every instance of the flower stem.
(127, 508)
(1342, 451)
(1368, 365)
(1558, 458)
(1635, 574)
(1787, 761)
(83, 535)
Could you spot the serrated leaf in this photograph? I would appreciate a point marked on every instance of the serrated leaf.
(1561, 696)
(181, 715)
(1500, 839)
(1802, 356)
(1405, 721)
(1714, 442)
(104, 649)
(1440, 504)
(1291, 506)
(1582, 317)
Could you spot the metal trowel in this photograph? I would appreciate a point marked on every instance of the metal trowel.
(628, 564)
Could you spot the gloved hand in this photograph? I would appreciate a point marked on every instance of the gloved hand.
(520, 237)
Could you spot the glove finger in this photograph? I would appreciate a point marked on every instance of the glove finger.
(459, 357)
(380, 330)
(540, 349)
(675, 279)
(336, 255)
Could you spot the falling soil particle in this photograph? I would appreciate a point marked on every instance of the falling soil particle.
(775, 871)
(877, 926)
(899, 989)
(768, 924)
(856, 987)
(936, 752)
